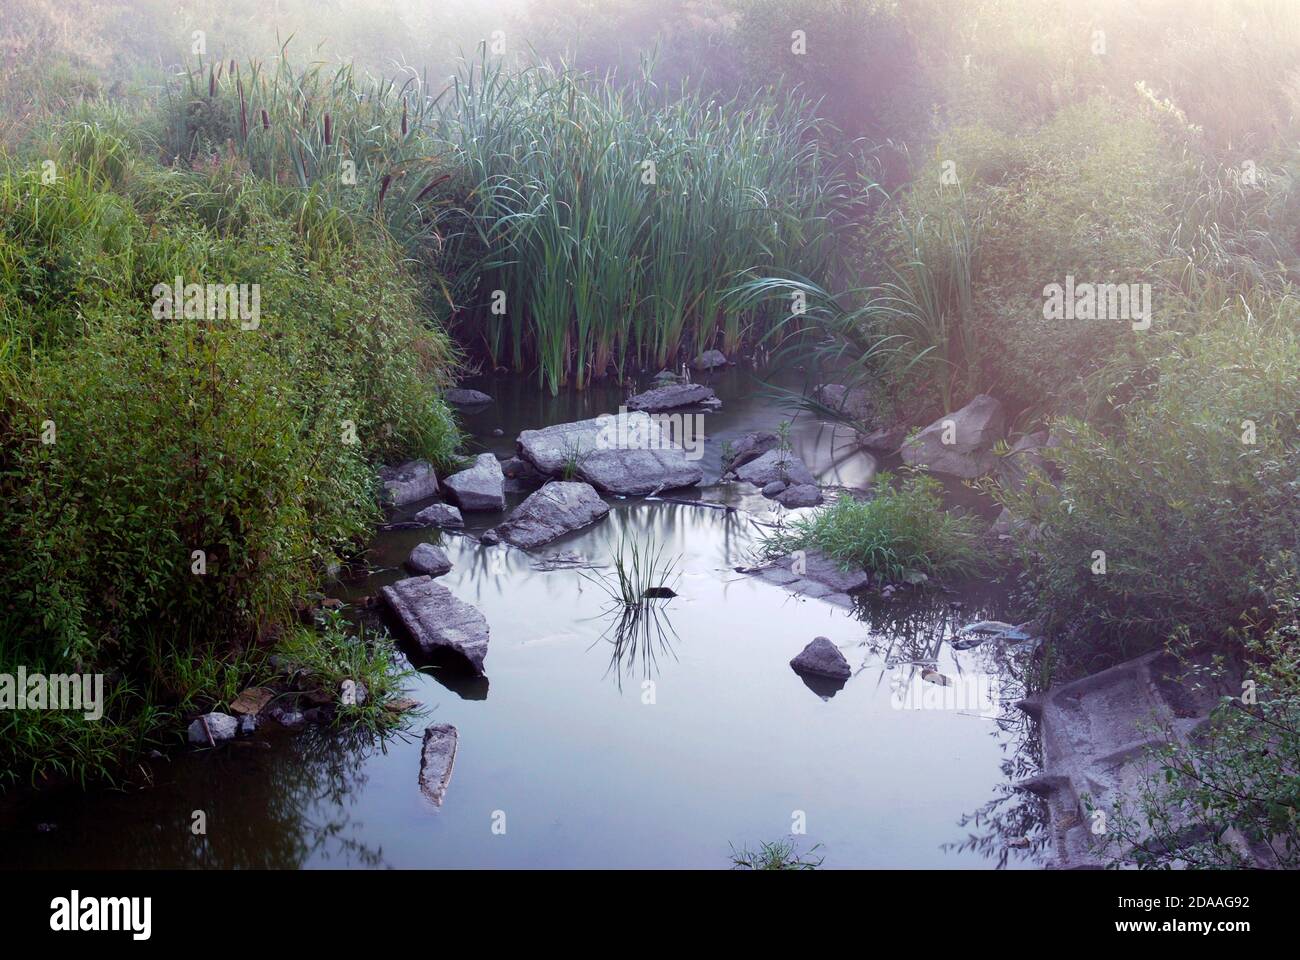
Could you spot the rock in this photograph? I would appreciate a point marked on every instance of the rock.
(521, 475)
(439, 621)
(853, 401)
(212, 728)
(558, 508)
(624, 454)
(463, 397)
(710, 360)
(1097, 735)
(440, 515)
(437, 757)
(247, 725)
(498, 432)
(667, 376)
(799, 495)
(885, 440)
(671, 397)
(481, 487)
(352, 693)
(401, 705)
(773, 488)
(973, 430)
(1025, 456)
(426, 558)
(290, 719)
(823, 659)
(805, 574)
(750, 447)
(775, 465)
(411, 481)
(252, 701)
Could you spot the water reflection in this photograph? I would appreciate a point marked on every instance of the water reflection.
(637, 635)
(293, 807)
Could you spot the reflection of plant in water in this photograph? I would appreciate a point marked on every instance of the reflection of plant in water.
(777, 855)
(639, 635)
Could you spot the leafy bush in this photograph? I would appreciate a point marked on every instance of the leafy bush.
(131, 439)
(1198, 493)
(901, 532)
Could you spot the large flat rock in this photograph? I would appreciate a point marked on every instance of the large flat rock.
(558, 508)
(776, 465)
(437, 757)
(1096, 735)
(672, 396)
(437, 620)
(480, 487)
(812, 574)
(961, 443)
(626, 454)
(408, 482)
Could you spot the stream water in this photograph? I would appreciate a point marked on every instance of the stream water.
(591, 746)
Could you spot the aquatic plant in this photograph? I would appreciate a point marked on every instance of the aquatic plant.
(776, 855)
(641, 574)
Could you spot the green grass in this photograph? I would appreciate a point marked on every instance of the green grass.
(901, 531)
(776, 855)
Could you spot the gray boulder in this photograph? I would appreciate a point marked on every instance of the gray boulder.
(408, 482)
(1025, 456)
(885, 440)
(558, 508)
(960, 444)
(671, 397)
(853, 401)
(440, 515)
(481, 487)
(521, 475)
(439, 621)
(426, 558)
(775, 465)
(464, 397)
(212, 728)
(822, 658)
(750, 447)
(624, 454)
(799, 495)
(773, 488)
(710, 360)
(437, 757)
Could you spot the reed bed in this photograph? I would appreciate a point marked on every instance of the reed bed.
(570, 225)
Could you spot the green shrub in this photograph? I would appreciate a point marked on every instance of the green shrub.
(1187, 512)
(901, 533)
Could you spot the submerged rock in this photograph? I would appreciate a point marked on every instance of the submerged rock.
(437, 620)
(799, 495)
(408, 482)
(671, 397)
(481, 487)
(212, 728)
(960, 444)
(812, 574)
(427, 558)
(558, 508)
(440, 515)
(464, 397)
(823, 659)
(775, 465)
(437, 757)
(624, 454)
(710, 360)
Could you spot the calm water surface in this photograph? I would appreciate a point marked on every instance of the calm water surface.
(663, 745)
